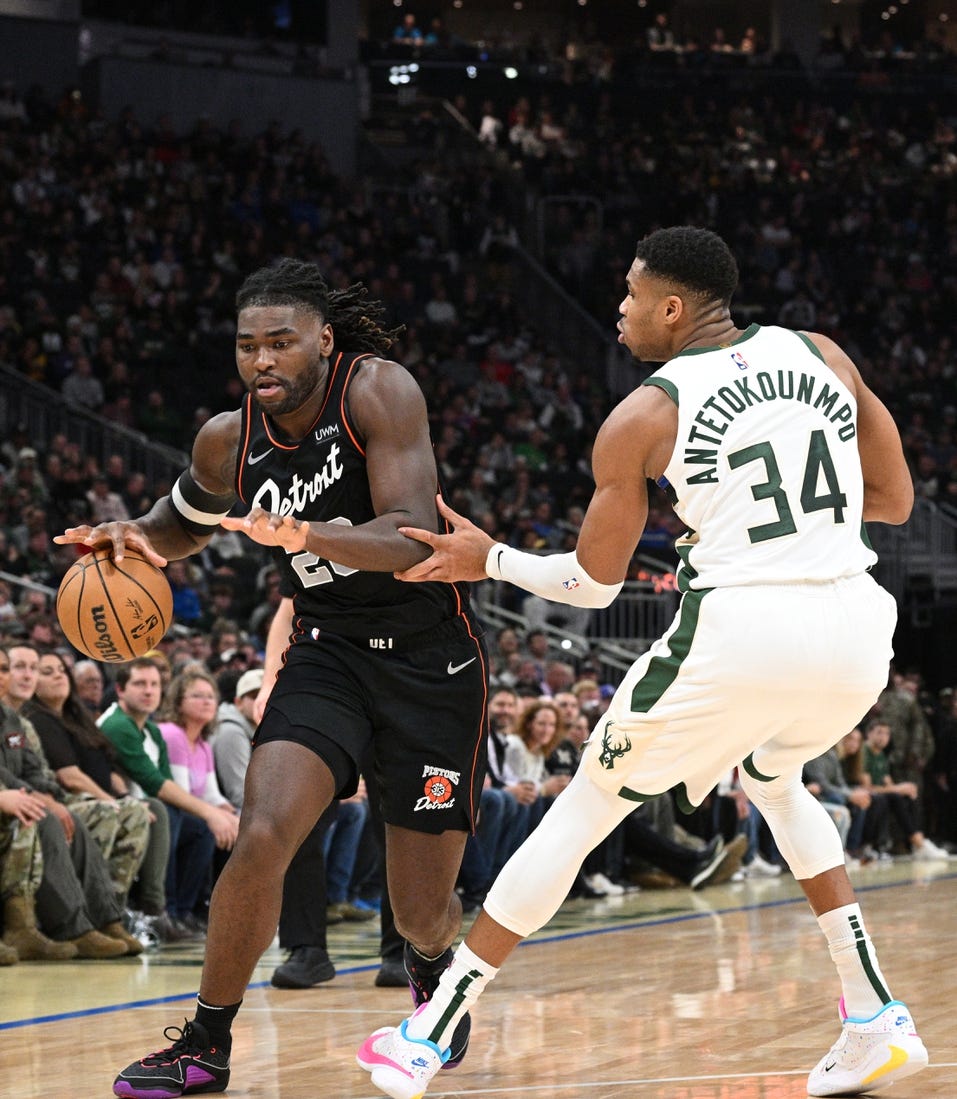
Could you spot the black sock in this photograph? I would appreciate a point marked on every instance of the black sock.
(424, 964)
(217, 1021)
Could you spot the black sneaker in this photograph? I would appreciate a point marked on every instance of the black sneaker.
(305, 967)
(392, 974)
(189, 1066)
(424, 977)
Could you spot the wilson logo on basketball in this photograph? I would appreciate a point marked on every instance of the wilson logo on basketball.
(104, 643)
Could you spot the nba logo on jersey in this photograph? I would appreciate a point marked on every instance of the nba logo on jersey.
(739, 360)
(571, 584)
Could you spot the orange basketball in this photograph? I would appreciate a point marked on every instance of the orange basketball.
(114, 612)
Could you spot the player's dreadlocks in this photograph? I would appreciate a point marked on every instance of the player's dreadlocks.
(353, 315)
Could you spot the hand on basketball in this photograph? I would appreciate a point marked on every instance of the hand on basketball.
(121, 536)
(269, 529)
(457, 556)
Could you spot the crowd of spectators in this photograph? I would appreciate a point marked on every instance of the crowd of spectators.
(839, 211)
(121, 247)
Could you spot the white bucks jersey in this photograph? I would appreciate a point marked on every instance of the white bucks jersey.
(765, 470)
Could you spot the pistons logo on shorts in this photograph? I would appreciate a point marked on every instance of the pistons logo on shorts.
(438, 790)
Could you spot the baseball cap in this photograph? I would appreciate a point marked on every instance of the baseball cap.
(27, 454)
(249, 681)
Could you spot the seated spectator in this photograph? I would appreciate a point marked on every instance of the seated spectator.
(407, 32)
(604, 865)
(559, 678)
(232, 739)
(195, 826)
(659, 35)
(82, 760)
(82, 387)
(21, 871)
(538, 732)
(846, 805)
(88, 685)
(187, 606)
(540, 612)
(659, 854)
(747, 822)
(265, 610)
(190, 709)
(943, 787)
(501, 821)
(105, 505)
(340, 847)
(8, 609)
(912, 739)
(69, 898)
(900, 797)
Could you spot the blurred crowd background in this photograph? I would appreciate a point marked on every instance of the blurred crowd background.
(498, 182)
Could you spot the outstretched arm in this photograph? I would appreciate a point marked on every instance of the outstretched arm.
(389, 411)
(181, 523)
(633, 444)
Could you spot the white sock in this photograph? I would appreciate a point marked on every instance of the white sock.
(461, 985)
(863, 984)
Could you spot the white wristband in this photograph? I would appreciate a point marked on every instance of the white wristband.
(558, 576)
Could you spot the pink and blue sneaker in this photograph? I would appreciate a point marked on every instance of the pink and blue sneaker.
(401, 1066)
(870, 1053)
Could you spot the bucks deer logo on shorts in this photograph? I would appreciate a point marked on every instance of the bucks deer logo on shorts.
(614, 746)
(438, 790)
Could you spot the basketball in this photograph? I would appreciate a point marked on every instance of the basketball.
(114, 611)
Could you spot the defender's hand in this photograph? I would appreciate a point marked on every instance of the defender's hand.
(457, 556)
(269, 529)
(120, 535)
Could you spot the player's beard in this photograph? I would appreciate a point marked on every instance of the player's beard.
(297, 391)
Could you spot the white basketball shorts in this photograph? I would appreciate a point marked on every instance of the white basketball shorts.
(763, 676)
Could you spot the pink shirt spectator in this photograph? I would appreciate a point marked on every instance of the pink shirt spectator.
(193, 767)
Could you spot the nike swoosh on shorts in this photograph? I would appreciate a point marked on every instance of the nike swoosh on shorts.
(458, 667)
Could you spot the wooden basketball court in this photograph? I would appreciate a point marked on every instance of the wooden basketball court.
(724, 994)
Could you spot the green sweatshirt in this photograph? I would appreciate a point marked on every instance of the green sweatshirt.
(128, 740)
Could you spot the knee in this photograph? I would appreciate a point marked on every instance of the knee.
(421, 921)
(779, 792)
(263, 842)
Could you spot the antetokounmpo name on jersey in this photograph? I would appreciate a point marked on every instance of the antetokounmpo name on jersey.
(720, 409)
(300, 493)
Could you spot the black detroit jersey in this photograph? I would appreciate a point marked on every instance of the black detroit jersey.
(323, 478)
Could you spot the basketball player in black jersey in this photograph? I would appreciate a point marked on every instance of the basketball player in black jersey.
(328, 456)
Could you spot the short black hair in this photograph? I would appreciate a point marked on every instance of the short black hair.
(695, 258)
(353, 315)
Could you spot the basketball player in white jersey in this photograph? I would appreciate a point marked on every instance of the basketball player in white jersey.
(775, 452)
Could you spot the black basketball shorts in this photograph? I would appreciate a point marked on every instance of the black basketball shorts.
(421, 705)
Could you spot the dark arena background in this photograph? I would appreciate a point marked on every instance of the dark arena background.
(485, 169)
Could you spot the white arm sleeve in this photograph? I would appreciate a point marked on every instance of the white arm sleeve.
(558, 576)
